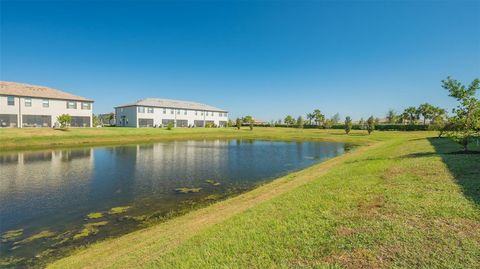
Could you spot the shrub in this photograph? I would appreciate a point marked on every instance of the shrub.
(64, 120)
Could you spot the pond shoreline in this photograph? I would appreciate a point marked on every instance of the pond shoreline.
(210, 173)
(40, 138)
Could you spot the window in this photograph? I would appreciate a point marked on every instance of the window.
(171, 111)
(164, 111)
(28, 102)
(196, 112)
(71, 104)
(11, 100)
(149, 109)
(201, 113)
(185, 112)
(45, 103)
(86, 106)
(141, 109)
(178, 111)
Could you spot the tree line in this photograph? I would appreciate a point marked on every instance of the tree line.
(463, 125)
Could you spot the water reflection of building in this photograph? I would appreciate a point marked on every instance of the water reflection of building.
(38, 171)
(179, 163)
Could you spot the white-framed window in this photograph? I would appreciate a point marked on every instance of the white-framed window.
(86, 106)
(149, 109)
(185, 112)
(141, 109)
(164, 111)
(196, 112)
(178, 111)
(11, 100)
(171, 111)
(71, 105)
(45, 103)
(201, 113)
(28, 102)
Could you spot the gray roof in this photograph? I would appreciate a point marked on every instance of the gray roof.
(168, 103)
(27, 90)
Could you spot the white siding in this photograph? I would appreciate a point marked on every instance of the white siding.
(55, 108)
(157, 116)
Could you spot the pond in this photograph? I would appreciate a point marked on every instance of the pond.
(52, 201)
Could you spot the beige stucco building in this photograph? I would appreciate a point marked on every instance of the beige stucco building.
(24, 105)
(154, 112)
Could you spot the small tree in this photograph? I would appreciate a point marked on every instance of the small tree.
(310, 117)
(110, 117)
(327, 124)
(300, 122)
(170, 125)
(318, 117)
(412, 114)
(336, 118)
(348, 124)
(251, 125)
(247, 119)
(427, 111)
(361, 124)
(64, 120)
(370, 124)
(238, 123)
(289, 120)
(465, 124)
(392, 116)
(95, 120)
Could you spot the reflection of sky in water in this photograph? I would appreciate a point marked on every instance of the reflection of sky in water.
(54, 189)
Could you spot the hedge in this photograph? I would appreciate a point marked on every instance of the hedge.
(378, 127)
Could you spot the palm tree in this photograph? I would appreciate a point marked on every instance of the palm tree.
(318, 116)
(392, 116)
(413, 114)
(310, 117)
(426, 110)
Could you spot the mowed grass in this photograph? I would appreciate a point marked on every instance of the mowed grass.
(36, 138)
(401, 200)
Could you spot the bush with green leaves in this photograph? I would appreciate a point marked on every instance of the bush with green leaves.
(300, 122)
(464, 126)
(170, 125)
(370, 124)
(348, 124)
(64, 120)
(238, 123)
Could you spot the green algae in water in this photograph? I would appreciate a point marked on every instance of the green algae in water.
(11, 235)
(188, 190)
(213, 182)
(119, 210)
(10, 261)
(40, 235)
(89, 229)
(95, 215)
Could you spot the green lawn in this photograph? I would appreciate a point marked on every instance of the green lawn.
(30, 138)
(400, 200)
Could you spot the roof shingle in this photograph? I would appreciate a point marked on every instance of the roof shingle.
(27, 90)
(168, 103)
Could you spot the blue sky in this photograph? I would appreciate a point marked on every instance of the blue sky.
(267, 59)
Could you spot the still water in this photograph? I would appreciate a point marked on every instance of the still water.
(52, 201)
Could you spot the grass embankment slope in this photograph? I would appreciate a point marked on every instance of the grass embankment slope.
(401, 201)
(36, 138)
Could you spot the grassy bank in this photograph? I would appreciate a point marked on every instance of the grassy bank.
(402, 200)
(36, 138)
